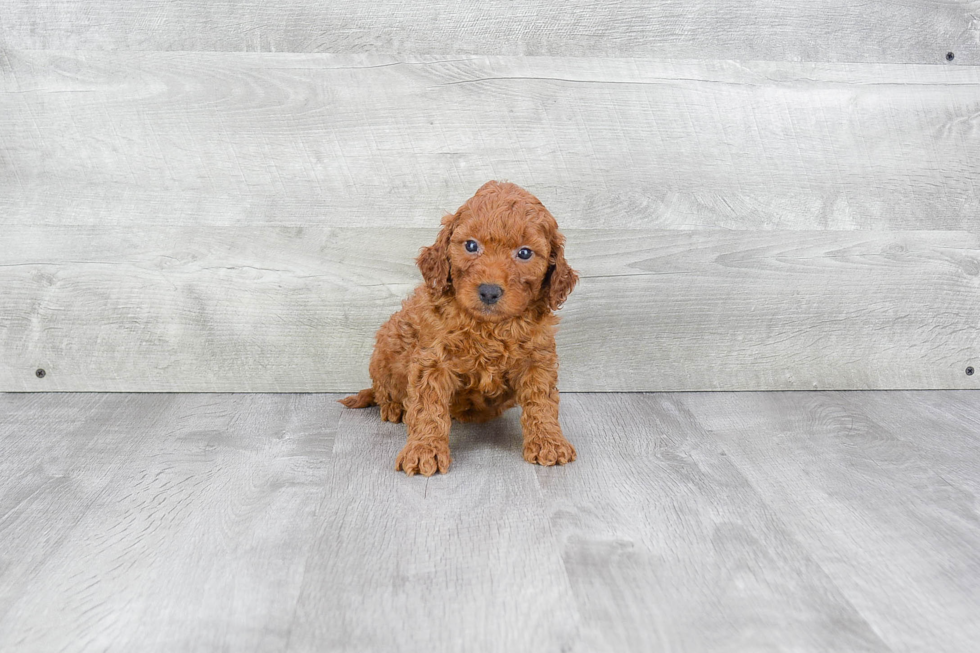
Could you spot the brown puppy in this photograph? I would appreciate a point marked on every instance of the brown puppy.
(479, 335)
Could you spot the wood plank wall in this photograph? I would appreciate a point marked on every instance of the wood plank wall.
(229, 197)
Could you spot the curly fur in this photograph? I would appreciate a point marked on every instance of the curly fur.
(446, 355)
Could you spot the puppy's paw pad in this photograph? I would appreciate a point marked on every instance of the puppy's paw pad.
(549, 450)
(423, 458)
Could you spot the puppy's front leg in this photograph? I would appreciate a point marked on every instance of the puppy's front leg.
(430, 389)
(537, 394)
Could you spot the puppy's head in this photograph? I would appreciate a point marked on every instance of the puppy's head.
(500, 253)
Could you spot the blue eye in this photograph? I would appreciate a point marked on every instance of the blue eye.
(524, 253)
(471, 246)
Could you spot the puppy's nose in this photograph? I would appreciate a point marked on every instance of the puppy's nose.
(490, 293)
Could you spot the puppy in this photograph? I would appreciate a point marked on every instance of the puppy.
(478, 336)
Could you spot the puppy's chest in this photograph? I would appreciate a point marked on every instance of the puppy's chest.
(485, 364)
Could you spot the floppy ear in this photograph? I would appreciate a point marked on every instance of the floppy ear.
(560, 278)
(433, 261)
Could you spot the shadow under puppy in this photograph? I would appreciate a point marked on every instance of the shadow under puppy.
(478, 336)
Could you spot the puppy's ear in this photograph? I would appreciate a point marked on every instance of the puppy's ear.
(433, 261)
(560, 278)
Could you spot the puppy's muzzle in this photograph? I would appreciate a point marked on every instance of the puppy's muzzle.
(490, 293)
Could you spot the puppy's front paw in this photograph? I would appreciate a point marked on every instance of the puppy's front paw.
(423, 458)
(548, 450)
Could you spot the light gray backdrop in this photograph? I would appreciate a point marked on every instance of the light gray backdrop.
(229, 196)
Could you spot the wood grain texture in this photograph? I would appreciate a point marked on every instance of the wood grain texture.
(892, 530)
(953, 418)
(290, 309)
(216, 138)
(231, 222)
(126, 518)
(720, 521)
(464, 561)
(823, 30)
(57, 457)
(669, 547)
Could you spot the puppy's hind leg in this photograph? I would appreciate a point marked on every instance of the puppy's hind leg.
(391, 411)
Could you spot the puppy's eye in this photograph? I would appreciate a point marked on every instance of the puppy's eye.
(524, 253)
(471, 246)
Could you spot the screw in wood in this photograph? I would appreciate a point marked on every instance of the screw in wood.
(950, 56)
(969, 371)
(40, 373)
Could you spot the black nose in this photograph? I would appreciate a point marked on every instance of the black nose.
(490, 293)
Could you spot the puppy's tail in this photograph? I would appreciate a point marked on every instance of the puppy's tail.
(362, 399)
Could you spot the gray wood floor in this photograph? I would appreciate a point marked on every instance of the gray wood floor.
(805, 521)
